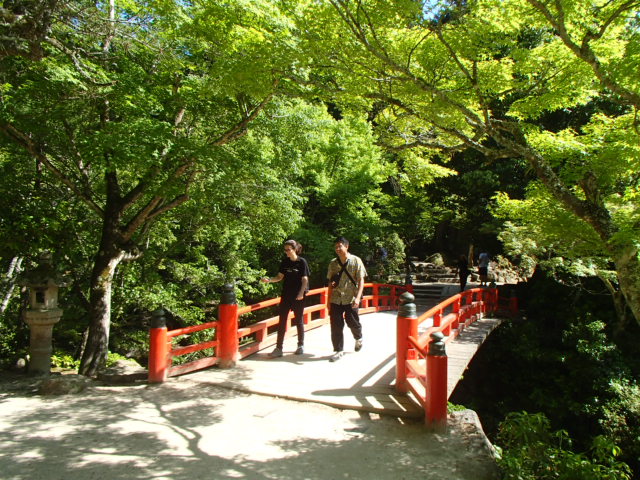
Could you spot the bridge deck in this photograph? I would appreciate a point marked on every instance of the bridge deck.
(359, 381)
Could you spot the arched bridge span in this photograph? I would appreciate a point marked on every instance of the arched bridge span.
(390, 375)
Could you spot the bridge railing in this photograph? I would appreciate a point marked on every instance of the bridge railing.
(232, 342)
(421, 361)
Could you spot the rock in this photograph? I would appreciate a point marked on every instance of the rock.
(63, 385)
(123, 372)
(20, 365)
(479, 449)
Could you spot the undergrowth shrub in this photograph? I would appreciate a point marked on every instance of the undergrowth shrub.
(529, 450)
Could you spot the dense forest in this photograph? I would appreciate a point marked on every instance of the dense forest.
(161, 149)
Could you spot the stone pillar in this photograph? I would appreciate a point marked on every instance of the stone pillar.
(41, 333)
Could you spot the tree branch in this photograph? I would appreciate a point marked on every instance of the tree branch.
(80, 67)
(156, 205)
(584, 51)
(29, 145)
(240, 129)
(594, 214)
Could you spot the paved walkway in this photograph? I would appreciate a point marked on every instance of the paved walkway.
(359, 381)
(192, 427)
(187, 430)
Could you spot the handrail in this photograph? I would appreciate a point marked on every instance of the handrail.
(469, 303)
(259, 336)
(421, 361)
(418, 346)
(249, 339)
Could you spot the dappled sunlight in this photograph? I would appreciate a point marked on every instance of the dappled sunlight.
(191, 430)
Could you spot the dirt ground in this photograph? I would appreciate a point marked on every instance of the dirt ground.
(185, 429)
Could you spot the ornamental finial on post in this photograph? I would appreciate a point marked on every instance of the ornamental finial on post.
(437, 345)
(228, 296)
(158, 318)
(407, 307)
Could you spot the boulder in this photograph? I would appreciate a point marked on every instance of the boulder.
(123, 372)
(63, 384)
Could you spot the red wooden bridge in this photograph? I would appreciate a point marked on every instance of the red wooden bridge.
(409, 364)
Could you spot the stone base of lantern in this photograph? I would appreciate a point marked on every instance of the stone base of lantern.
(41, 324)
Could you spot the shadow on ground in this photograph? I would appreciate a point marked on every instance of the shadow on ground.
(187, 429)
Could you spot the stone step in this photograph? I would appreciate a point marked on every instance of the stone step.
(437, 275)
(427, 291)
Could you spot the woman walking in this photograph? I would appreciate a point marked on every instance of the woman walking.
(294, 270)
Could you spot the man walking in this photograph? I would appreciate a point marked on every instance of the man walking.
(346, 283)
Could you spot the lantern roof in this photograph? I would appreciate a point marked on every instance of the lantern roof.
(44, 275)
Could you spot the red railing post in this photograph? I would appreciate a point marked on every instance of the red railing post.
(376, 295)
(324, 300)
(437, 318)
(513, 303)
(456, 309)
(158, 348)
(228, 349)
(406, 326)
(436, 388)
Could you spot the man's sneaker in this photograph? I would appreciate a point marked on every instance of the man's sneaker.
(299, 350)
(277, 352)
(358, 345)
(336, 356)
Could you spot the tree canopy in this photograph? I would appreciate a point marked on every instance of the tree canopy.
(214, 130)
(552, 83)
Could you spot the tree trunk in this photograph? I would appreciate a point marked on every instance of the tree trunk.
(95, 352)
(9, 282)
(94, 356)
(628, 268)
(620, 304)
(594, 212)
(110, 254)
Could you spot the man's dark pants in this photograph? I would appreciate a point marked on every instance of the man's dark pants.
(338, 316)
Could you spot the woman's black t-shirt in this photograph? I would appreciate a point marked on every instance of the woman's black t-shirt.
(293, 272)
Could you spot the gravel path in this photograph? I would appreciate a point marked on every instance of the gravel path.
(188, 430)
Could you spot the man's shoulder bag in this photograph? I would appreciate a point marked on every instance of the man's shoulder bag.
(335, 279)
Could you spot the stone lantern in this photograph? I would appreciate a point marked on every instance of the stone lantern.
(43, 312)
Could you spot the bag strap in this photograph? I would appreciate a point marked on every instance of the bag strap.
(344, 269)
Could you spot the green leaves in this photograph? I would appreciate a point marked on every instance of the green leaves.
(531, 450)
